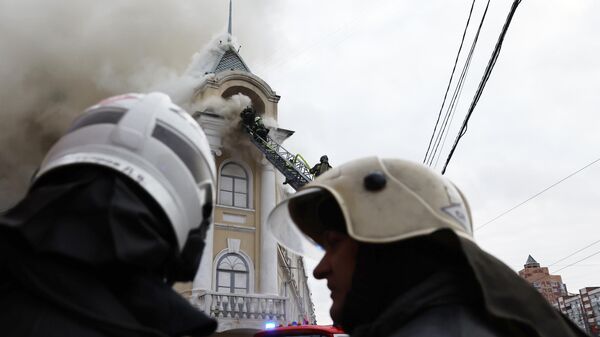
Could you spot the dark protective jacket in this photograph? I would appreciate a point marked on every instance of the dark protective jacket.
(444, 285)
(87, 253)
(320, 168)
(439, 306)
(248, 115)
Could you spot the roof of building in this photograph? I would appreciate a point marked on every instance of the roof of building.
(231, 60)
(531, 262)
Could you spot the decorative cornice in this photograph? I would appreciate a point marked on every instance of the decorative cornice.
(235, 228)
(279, 135)
(232, 75)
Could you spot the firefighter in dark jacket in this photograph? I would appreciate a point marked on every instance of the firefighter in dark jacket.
(248, 115)
(400, 259)
(321, 167)
(117, 213)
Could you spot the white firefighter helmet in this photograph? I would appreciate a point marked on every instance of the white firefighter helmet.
(381, 201)
(152, 141)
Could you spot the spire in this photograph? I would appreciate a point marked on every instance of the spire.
(531, 263)
(230, 59)
(229, 26)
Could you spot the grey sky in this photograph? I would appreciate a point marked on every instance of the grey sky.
(361, 78)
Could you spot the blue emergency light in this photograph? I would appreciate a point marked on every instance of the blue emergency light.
(270, 325)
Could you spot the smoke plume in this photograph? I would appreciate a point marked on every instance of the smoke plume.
(234, 139)
(59, 57)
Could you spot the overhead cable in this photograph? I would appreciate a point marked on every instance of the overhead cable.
(575, 252)
(484, 79)
(537, 194)
(449, 82)
(568, 256)
(449, 116)
(543, 277)
(578, 261)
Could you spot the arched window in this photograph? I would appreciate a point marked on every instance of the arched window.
(232, 274)
(233, 186)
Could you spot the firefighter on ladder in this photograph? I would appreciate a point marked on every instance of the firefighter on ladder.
(247, 115)
(322, 167)
(254, 122)
(259, 128)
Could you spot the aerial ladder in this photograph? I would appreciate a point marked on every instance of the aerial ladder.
(293, 167)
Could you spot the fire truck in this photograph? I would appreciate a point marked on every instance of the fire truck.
(301, 330)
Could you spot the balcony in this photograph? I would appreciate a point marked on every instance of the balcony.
(240, 311)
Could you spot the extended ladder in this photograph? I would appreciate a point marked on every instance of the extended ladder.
(293, 167)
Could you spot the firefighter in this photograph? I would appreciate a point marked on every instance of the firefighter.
(259, 128)
(117, 213)
(248, 115)
(400, 259)
(321, 167)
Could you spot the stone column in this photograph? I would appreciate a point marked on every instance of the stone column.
(203, 279)
(268, 248)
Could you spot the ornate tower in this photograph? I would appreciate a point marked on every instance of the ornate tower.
(245, 279)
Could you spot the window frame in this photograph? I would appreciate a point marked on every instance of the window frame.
(232, 273)
(235, 180)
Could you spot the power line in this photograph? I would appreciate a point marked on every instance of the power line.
(571, 264)
(537, 194)
(452, 114)
(484, 79)
(576, 262)
(579, 250)
(565, 267)
(449, 82)
(449, 116)
(568, 266)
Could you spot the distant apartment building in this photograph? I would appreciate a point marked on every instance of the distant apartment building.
(590, 298)
(550, 286)
(583, 309)
(572, 307)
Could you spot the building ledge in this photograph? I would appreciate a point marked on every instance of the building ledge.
(239, 311)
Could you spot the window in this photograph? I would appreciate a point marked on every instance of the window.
(233, 186)
(232, 274)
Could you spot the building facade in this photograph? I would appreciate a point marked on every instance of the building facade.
(583, 309)
(245, 278)
(572, 307)
(550, 286)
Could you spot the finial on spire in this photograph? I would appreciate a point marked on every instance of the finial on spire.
(229, 26)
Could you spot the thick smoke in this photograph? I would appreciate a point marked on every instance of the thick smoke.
(234, 139)
(59, 57)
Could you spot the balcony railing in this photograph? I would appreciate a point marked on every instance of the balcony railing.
(240, 306)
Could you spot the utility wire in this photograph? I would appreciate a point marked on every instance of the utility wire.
(577, 251)
(457, 91)
(452, 113)
(537, 194)
(572, 264)
(484, 79)
(576, 262)
(449, 82)
(567, 266)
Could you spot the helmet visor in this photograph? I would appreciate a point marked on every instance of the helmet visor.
(294, 223)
